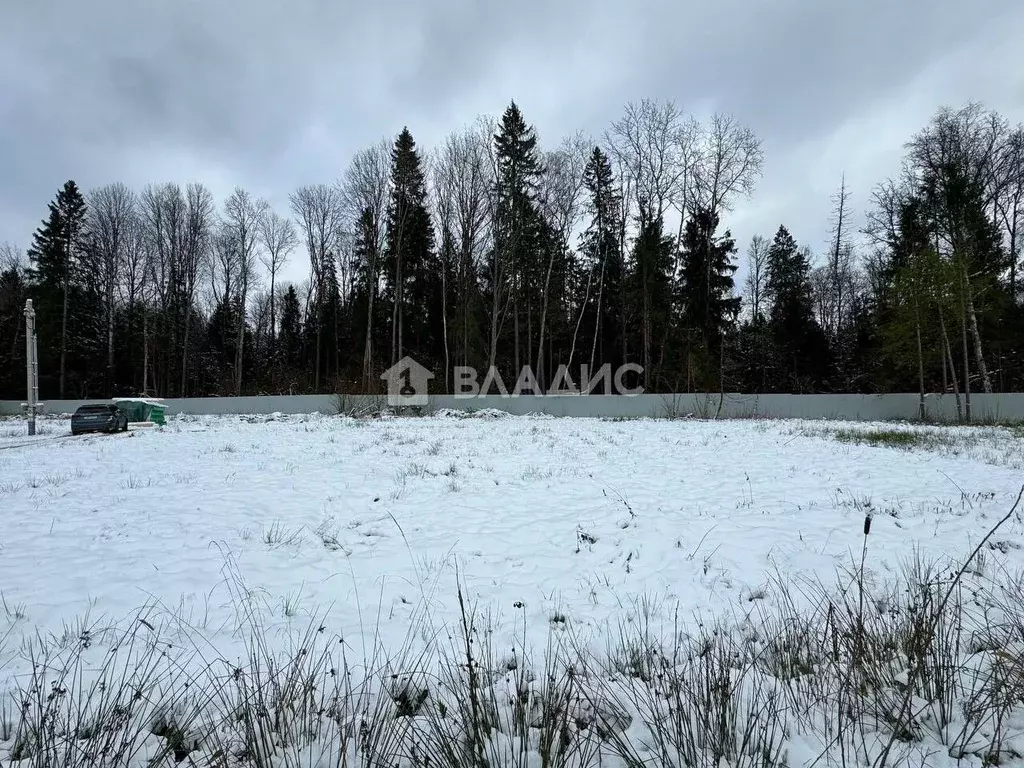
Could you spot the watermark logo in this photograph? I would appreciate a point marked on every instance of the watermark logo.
(407, 382)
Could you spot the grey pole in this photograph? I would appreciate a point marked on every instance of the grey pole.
(31, 366)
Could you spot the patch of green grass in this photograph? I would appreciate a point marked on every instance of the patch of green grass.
(892, 438)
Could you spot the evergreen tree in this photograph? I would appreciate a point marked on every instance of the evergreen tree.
(651, 295)
(56, 258)
(513, 276)
(330, 323)
(366, 306)
(602, 258)
(410, 276)
(13, 293)
(709, 309)
(289, 347)
(799, 342)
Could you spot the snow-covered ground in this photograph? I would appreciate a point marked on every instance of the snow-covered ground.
(555, 526)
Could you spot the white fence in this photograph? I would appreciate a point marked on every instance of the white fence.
(1000, 407)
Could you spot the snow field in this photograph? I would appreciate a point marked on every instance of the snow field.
(461, 567)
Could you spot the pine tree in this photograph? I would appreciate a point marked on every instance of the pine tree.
(602, 256)
(56, 257)
(651, 292)
(289, 347)
(330, 314)
(709, 309)
(365, 300)
(13, 293)
(798, 339)
(411, 278)
(513, 277)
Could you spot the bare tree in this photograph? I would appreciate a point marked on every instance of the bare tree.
(177, 231)
(645, 142)
(243, 216)
(757, 275)
(365, 190)
(652, 144)
(840, 264)
(1010, 200)
(462, 181)
(111, 217)
(279, 238)
(224, 267)
(960, 151)
(730, 164)
(319, 211)
(11, 257)
(560, 202)
(882, 226)
(200, 215)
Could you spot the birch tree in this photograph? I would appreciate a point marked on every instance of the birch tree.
(561, 202)
(729, 165)
(279, 238)
(243, 216)
(365, 191)
(319, 210)
(757, 277)
(463, 181)
(956, 161)
(111, 223)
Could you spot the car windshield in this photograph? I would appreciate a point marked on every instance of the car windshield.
(95, 409)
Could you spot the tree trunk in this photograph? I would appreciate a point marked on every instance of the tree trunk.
(64, 322)
(395, 312)
(948, 357)
(920, 360)
(597, 313)
(319, 342)
(579, 321)
(515, 311)
(444, 324)
(184, 353)
(273, 313)
(145, 350)
(239, 343)
(110, 341)
(544, 318)
(967, 362)
(1013, 255)
(371, 294)
(979, 356)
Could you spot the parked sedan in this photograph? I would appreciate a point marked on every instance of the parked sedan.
(99, 417)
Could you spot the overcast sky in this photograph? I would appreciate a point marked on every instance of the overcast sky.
(272, 94)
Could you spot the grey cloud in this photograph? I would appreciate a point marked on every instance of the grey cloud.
(270, 95)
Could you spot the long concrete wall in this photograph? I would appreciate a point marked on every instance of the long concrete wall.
(1000, 407)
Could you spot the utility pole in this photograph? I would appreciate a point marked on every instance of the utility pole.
(31, 367)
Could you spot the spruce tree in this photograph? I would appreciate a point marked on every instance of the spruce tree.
(603, 259)
(799, 341)
(56, 258)
(513, 274)
(13, 293)
(651, 293)
(709, 309)
(289, 347)
(409, 271)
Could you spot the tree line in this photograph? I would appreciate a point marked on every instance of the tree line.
(491, 250)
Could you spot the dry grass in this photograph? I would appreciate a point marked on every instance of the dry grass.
(850, 673)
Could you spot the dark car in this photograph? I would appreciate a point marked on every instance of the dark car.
(101, 417)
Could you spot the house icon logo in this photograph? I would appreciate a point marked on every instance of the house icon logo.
(407, 382)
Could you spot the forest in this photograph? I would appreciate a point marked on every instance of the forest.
(492, 249)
